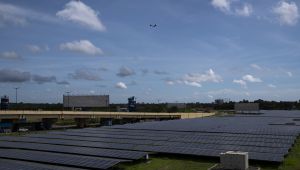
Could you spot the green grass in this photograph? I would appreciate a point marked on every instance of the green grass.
(291, 162)
(169, 163)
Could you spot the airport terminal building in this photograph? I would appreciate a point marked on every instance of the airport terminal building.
(85, 102)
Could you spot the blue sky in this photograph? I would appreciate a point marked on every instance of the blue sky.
(199, 50)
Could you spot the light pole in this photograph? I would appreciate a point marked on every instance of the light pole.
(16, 88)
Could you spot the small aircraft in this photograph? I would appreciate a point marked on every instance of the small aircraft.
(153, 25)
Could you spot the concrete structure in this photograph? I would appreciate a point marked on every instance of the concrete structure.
(246, 107)
(85, 101)
(234, 160)
(47, 118)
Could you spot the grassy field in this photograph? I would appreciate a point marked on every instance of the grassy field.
(291, 162)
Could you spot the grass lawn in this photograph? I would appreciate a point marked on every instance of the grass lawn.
(291, 162)
(169, 163)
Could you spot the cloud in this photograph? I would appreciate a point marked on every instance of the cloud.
(223, 5)
(290, 74)
(195, 84)
(245, 11)
(62, 82)
(103, 69)
(82, 74)
(271, 86)
(36, 49)
(144, 71)
(247, 78)
(169, 81)
(11, 14)
(287, 13)
(43, 79)
(195, 79)
(241, 82)
(80, 13)
(251, 79)
(255, 66)
(81, 46)
(159, 72)
(10, 55)
(121, 85)
(125, 71)
(14, 76)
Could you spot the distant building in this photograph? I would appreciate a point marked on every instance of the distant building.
(177, 105)
(219, 101)
(4, 102)
(131, 104)
(85, 101)
(246, 107)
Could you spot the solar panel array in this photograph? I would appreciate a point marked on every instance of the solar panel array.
(104, 147)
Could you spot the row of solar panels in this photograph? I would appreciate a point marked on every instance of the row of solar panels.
(169, 146)
(151, 140)
(149, 133)
(203, 151)
(232, 124)
(278, 146)
(120, 154)
(187, 137)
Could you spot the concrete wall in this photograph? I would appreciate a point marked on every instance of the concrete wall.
(86, 101)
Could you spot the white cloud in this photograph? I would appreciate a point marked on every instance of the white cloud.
(11, 14)
(80, 13)
(195, 84)
(223, 5)
(287, 13)
(34, 48)
(255, 66)
(121, 85)
(170, 82)
(241, 82)
(210, 96)
(10, 55)
(271, 86)
(251, 79)
(82, 46)
(195, 79)
(245, 11)
(289, 74)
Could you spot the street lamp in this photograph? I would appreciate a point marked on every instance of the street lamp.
(16, 88)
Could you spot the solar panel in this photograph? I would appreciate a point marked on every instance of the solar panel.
(120, 154)
(6, 164)
(111, 136)
(70, 142)
(200, 137)
(58, 159)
